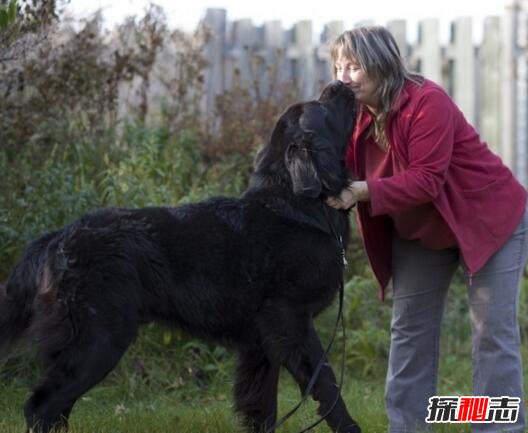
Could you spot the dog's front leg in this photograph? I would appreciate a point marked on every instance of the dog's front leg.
(290, 336)
(325, 390)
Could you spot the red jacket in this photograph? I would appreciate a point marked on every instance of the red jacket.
(442, 161)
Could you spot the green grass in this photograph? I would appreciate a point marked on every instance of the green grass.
(110, 408)
(124, 403)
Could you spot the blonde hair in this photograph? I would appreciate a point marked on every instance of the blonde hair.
(377, 53)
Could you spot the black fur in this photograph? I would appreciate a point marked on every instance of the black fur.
(249, 272)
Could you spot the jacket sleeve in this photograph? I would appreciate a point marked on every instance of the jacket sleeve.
(430, 146)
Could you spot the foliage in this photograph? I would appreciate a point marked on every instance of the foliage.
(38, 198)
(244, 118)
(8, 14)
(149, 168)
(23, 25)
(367, 324)
(156, 169)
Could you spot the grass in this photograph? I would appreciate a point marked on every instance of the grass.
(109, 408)
(124, 404)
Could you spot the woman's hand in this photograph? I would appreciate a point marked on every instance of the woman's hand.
(349, 196)
(345, 200)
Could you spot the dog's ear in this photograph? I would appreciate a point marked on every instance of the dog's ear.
(304, 177)
(273, 152)
(313, 117)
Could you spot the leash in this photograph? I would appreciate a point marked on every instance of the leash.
(321, 362)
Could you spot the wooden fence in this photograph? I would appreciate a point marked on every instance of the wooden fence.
(489, 82)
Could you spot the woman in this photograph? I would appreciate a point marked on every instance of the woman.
(431, 196)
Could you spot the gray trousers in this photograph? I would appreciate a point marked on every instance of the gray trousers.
(420, 281)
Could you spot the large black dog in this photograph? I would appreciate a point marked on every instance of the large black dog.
(249, 272)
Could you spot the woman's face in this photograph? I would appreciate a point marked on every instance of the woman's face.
(349, 72)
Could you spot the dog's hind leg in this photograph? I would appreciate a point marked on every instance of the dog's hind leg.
(255, 391)
(290, 336)
(78, 367)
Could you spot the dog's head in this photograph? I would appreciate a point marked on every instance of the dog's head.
(309, 142)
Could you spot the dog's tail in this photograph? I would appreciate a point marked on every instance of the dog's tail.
(18, 293)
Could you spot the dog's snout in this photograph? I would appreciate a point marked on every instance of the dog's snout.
(337, 89)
